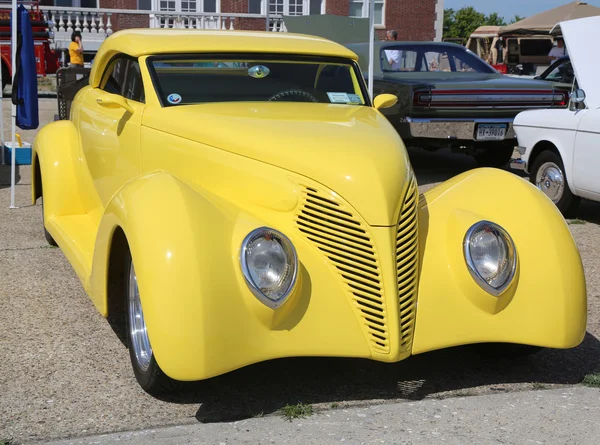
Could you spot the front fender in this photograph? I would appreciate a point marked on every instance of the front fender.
(201, 317)
(546, 305)
(56, 154)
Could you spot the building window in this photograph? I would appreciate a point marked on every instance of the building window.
(255, 7)
(188, 5)
(360, 8)
(144, 5)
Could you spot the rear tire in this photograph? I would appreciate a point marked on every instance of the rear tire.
(548, 175)
(147, 372)
(496, 156)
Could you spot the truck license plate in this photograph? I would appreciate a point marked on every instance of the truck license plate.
(491, 132)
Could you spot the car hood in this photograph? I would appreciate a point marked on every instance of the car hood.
(581, 36)
(353, 150)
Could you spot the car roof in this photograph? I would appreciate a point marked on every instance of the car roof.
(142, 42)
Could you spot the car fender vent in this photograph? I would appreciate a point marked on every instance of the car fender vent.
(407, 260)
(332, 227)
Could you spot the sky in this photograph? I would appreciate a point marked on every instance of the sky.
(509, 8)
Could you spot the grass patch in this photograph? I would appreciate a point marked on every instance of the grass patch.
(538, 385)
(577, 221)
(6, 442)
(299, 410)
(592, 380)
(334, 405)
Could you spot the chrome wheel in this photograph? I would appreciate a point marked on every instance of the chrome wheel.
(550, 180)
(140, 343)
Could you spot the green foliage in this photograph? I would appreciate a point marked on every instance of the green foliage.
(462, 23)
(290, 412)
(517, 18)
(592, 380)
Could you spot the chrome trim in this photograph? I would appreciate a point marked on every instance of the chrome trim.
(492, 98)
(518, 164)
(478, 120)
(512, 251)
(449, 129)
(550, 180)
(246, 272)
(138, 333)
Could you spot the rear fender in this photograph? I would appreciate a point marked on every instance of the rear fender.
(546, 305)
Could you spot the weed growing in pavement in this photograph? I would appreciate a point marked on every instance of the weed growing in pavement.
(335, 405)
(592, 380)
(538, 385)
(577, 221)
(290, 412)
(6, 442)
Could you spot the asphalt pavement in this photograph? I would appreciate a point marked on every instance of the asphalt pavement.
(64, 373)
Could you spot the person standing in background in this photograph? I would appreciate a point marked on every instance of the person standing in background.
(558, 51)
(392, 55)
(76, 50)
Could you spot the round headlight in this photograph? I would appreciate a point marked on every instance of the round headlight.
(491, 256)
(269, 265)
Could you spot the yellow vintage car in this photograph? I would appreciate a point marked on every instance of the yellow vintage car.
(237, 197)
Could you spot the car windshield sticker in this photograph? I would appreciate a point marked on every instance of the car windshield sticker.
(354, 98)
(174, 98)
(259, 71)
(338, 98)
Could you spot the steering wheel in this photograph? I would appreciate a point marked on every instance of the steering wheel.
(304, 96)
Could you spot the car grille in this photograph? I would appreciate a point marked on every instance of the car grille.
(407, 258)
(344, 240)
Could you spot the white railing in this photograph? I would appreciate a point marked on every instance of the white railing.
(97, 22)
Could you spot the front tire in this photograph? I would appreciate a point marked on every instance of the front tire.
(548, 175)
(147, 372)
(47, 235)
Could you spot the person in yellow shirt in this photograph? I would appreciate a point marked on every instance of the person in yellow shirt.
(76, 50)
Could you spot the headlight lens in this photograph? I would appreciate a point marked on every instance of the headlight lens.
(491, 256)
(270, 265)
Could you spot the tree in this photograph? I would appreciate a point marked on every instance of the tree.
(495, 20)
(516, 19)
(462, 23)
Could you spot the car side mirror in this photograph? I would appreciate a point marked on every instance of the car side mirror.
(385, 101)
(578, 96)
(114, 101)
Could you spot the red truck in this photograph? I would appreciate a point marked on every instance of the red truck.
(47, 61)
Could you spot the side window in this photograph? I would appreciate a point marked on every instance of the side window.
(134, 89)
(114, 76)
(123, 77)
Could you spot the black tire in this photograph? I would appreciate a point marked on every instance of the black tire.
(506, 350)
(496, 156)
(151, 378)
(567, 203)
(47, 235)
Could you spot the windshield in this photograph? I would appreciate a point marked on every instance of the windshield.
(431, 58)
(194, 80)
(562, 72)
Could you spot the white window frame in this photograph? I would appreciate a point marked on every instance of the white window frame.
(286, 7)
(365, 11)
(199, 6)
(74, 4)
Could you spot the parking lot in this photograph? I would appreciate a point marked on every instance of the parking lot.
(64, 372)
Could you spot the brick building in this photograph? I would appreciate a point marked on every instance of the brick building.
(413, 19)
